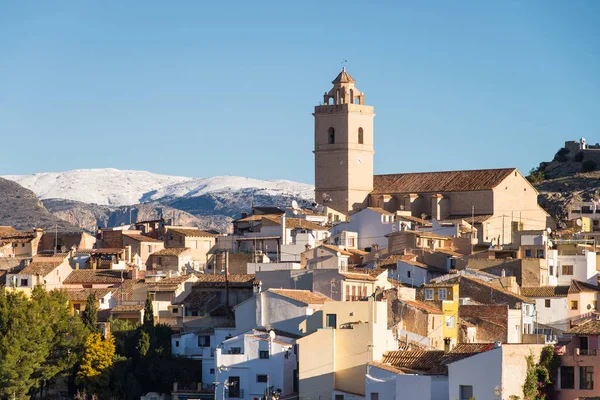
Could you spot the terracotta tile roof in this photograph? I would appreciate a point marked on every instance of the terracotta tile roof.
(471, 220)
(300, 223)
(374, 272)
(42, 268)
(188, 232)
(170, 251)
(3, 278)
(579, 286)
(141, 238)
(269, 210)
(197, 298)
(303, 296)
(83, 294)
(172, 281)
(445, 181)
(335, 248)
(386, 367)
(357, 252)
(218, 280)
(107, 250)
(392, 259)
(358, 277)
(91, 276)
(259, 217)
(343, 77)
(422, 306)
(126, 308)
(9, 231)
(411, 219)
(545, 291)
(589, 327)
(417, 360)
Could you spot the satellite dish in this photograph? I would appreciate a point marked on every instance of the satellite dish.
(497, 390)
(394, 228)
(338, 254)
(272, 334)
(548, 230)
(589, 306)
(578, 222)
(295, 204)
(358, 159)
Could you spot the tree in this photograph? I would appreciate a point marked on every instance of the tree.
(148, 312)
(143, 344)
(90, 314)
(536, 175)
(98, 358)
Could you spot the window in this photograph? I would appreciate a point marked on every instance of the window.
(262, 378)
(374, 396)
(203, 341)
(24, 282)
(547, 303)
(540, 253)
(339, 397)
(212, 371)
(408, 273)
(466, 392)
(586, 378)
(236, 350)
(595, 304)
(428, 294)
(207, 244)
(442, 294)
(360, 136)
(101, 300)
(331, 320)
(175, 311)
(574, 305)
(263, 354)
(528, 253)
(331, 135)
(450, 321)
(177, 343)
(567, 270)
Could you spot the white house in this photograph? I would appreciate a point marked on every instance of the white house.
(254, 363)
(280, 309)
(551, 305)
(578, 264)
(371, 224)
(495, 374)
(414, 273)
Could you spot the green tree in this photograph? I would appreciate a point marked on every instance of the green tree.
(143, 343)
(148, 312)
(90, 314)
(530, 389)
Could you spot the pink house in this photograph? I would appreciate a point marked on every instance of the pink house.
(579, 373)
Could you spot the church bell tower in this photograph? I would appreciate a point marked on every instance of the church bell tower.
(343, 147)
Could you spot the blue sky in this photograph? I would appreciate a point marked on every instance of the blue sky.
(204, 88)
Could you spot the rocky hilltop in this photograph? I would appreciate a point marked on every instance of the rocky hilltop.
(573, 176)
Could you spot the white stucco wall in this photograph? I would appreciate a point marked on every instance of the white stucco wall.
(555, 315)
(410, 387)
(369, 226)
(417, 275)
(382, 382)
(584, 267)
(483, 371)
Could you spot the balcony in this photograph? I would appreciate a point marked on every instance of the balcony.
(581, 352)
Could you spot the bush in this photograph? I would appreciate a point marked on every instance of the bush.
(561, 155)
(578, 157)
(536, 175)
(588, 166)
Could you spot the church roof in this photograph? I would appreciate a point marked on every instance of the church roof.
(445, 181)
(343, 77)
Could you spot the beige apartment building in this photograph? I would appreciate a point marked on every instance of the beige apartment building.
(340, 341)
(200, 243)
(497, 202)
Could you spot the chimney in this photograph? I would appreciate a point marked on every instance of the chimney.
(257, 287)
(37, 232)
(244, 215)
(128, 254)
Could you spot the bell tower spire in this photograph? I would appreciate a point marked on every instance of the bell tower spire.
(343, 146)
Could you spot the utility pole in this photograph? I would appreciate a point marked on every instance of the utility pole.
(472, 225)
(55, 238)
(227, 280)
(503, 229)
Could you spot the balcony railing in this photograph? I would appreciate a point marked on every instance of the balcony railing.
(582, 352)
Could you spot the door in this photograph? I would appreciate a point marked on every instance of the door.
(234, 386)
(583, 344)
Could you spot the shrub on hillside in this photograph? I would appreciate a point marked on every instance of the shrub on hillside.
(536, 175)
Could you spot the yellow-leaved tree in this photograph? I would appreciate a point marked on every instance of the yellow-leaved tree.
(98, 357)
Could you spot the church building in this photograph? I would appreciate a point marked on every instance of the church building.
(497, 202)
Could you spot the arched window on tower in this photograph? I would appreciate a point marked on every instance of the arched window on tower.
(361, 138)
(331, 132)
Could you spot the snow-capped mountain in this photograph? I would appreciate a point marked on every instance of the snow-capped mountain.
(108, 186)
(113, 187)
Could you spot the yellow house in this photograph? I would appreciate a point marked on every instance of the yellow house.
(447, 296)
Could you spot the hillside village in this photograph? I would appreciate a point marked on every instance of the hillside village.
(439, 285)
